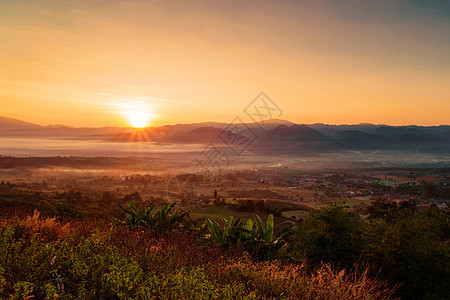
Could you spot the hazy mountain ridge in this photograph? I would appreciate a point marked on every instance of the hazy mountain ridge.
(7, 124)
(275, 136)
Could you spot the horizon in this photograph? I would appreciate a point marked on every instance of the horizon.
(97, 63)
(273, 120)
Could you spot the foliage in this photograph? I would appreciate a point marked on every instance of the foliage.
(98, 261)
(259, 206)
(161, 221)
(256, 236)
(391, 211)
(230, 233)
(47, 258)
(398, 243)
(2, 280)
(413, 251)
(22, 289)
(276, 280)
(330, 235)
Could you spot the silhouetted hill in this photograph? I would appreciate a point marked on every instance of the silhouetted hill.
(390, 139)
(16, 128)
(10, 124)
(294, 132)
(402, 131)
(202, 135)
(275, 136)
(296, 138)
(355, 139)
(331, 130)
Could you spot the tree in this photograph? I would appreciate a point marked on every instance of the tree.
(331, 235)
(429, 190)
(108, 197)
(135, 197)
(413, 251)
(446, 193)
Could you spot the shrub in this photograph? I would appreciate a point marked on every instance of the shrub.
(256, 236)
(100, 261)
(413, 251)
(330, 235)
(163, 220)
(276, 280)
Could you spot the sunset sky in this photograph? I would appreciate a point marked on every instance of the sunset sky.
(90, 63)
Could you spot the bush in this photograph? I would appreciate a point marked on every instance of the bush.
(100, 261)
(256, 236)
(276, 280)
(330, 235)
(413, 251)
(160, 222)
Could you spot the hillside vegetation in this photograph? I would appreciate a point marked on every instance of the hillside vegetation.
(141, 250)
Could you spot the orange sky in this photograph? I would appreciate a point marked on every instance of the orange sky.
(82, 63)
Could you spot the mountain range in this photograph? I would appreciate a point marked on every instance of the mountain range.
(275, 136)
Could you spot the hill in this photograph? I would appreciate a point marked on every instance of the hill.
(274, 136)
(10, 124)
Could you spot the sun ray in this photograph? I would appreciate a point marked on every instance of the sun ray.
(138, 114)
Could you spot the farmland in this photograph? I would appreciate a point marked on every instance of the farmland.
(55, 208)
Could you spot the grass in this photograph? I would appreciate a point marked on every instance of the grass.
(42, 258)
(194, 262)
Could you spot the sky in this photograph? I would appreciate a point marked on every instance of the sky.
(105, 63)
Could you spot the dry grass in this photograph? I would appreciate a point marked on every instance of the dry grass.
(47, 228)
(167, 255)
(276, 280)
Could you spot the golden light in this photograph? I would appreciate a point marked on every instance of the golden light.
(137, 119)
(137, 113)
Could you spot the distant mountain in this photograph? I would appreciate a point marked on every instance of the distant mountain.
(355, 139)
(292, 139)
(391, 138)
(430, 129)
(10, 124)
(202, 135)
(266, 125)
(16, 128)
(405, 131)
(273, 136)
(128, 135)
(332, 130)
(294, 132)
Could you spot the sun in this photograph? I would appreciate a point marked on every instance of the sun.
(138, 119)
(138, 114)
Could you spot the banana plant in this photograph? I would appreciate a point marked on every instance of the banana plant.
(230, 233)
(244, 233)
(256, 236)
(147, 219)
(218, 235)
(137, 217)
(266, 244)
(163, 220)
(265, 231)
(168, 220)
